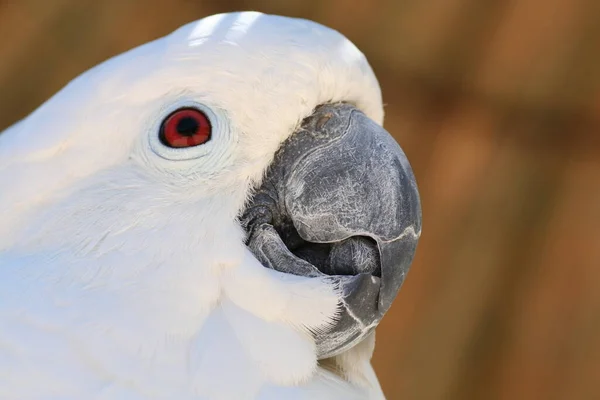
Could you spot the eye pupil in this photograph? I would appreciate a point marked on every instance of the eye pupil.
(187, 126)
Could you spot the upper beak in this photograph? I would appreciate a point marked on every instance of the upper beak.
(340, 199)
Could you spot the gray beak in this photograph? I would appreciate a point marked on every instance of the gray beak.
(339, 200)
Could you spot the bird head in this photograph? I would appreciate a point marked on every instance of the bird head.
(240, 135)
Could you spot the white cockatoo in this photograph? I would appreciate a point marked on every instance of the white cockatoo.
(215, 215)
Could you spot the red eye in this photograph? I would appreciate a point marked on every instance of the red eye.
(186, 127)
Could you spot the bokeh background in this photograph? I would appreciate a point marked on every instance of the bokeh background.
(497, 105)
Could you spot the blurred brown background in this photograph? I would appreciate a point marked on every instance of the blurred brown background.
(497, 104)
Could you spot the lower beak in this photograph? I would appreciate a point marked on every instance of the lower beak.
(339, 200)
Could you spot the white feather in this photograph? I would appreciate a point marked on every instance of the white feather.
(123, 273)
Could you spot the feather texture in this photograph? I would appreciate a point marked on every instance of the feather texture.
(123, 274)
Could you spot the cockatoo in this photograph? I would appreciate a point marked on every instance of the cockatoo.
(215, 215)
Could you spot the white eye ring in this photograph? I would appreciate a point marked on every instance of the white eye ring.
(220, 134)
